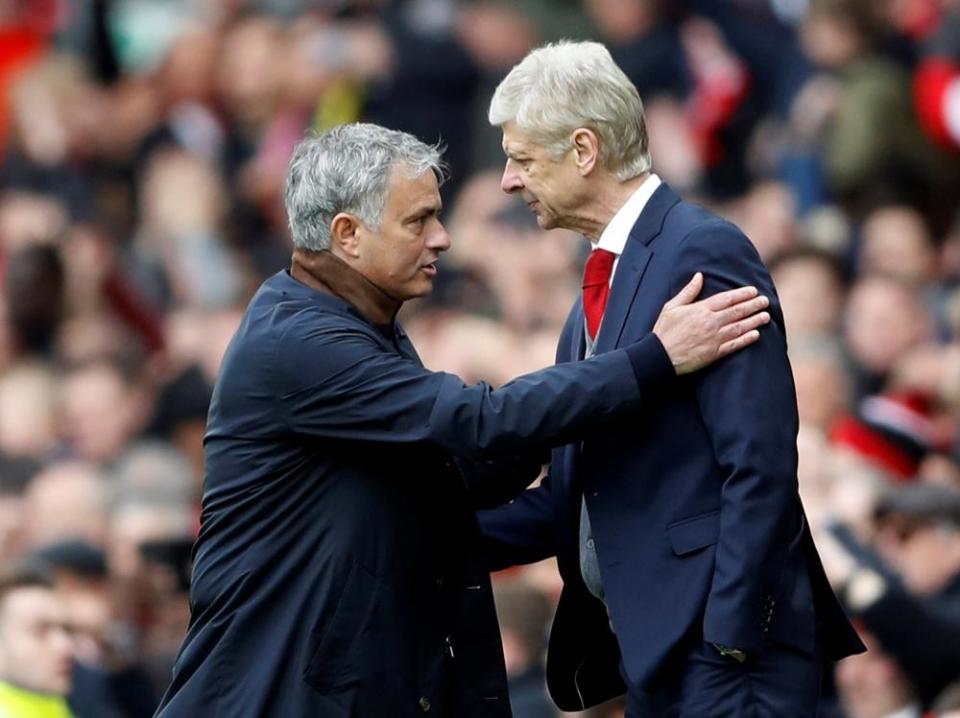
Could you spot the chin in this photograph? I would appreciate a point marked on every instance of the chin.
(418, 291)
(546, 221)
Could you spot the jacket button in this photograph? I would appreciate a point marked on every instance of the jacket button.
(424, 704)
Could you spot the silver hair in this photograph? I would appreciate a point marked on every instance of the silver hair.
(565, 85)
(347, 169)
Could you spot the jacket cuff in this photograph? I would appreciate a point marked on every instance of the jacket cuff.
(651, 364)
(739, 632)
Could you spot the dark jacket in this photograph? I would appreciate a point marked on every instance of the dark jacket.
(698, 527)
(337, 570)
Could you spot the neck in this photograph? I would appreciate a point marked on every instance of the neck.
(329, 274)
(607, 198)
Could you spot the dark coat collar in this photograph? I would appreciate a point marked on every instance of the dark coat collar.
(650, 221)
(326, 273)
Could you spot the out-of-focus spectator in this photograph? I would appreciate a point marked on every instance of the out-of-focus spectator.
(15, 475)
(102, 410)
(645, 44)
(947, 704)
(183, 211)
(34, 288)
(58, 122)
(884, 318)
(22, 40)
(874, 149)
(823, 387)
(35, 645)
(872, 685)
(67, 500)
(107, 680)
(904, 586)
(29, 395)
(897, 243)
(154, 471)
(138, 520)
(891, 433)
(766, 213)
(811, 288)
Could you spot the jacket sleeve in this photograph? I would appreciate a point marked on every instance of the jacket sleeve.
(749, 408)
(341, 383)
(520, 532)
(494, 482)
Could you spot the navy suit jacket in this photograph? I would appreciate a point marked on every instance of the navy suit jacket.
(337, 571)
(696, 518)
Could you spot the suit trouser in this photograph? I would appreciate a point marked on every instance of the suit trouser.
(779, 682)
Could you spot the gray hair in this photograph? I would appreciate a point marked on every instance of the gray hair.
(347, 169)
(562, 86)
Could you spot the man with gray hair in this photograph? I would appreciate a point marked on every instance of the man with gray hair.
(337, 572)
(691, 582)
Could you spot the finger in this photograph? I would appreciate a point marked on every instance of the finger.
(722, 300)
(731, 331)
(742, 310)
(688, 293)
(744, 340)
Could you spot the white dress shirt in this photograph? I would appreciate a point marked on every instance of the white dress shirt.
(615, 234)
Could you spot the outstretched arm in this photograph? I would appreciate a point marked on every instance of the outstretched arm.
(338, 381)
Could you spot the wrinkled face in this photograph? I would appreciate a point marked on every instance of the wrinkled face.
(35, 643)
(870, 684)
(401, 255)
(927, 556)
(547, 185)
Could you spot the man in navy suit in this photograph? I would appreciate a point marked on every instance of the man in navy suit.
(691, 581)
(337, 572)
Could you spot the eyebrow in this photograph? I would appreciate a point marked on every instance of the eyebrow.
(422, 212)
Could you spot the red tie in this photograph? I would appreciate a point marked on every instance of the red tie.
(596, 288)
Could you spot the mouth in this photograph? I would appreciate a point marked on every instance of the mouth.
(534, 205)
(430, 269)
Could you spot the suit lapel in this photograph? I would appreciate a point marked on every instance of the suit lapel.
(626, 284)
(632, 266)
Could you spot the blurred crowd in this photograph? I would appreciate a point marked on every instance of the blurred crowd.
(143, 150)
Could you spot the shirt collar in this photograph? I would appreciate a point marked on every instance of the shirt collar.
(615, 234)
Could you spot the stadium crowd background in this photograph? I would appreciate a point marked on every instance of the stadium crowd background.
(144, 146)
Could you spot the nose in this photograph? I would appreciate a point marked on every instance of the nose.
(510, 182)
(439, 239)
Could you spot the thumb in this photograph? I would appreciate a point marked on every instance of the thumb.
(688, 293)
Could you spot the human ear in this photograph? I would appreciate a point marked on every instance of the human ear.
(345, 232)
(586, 148)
